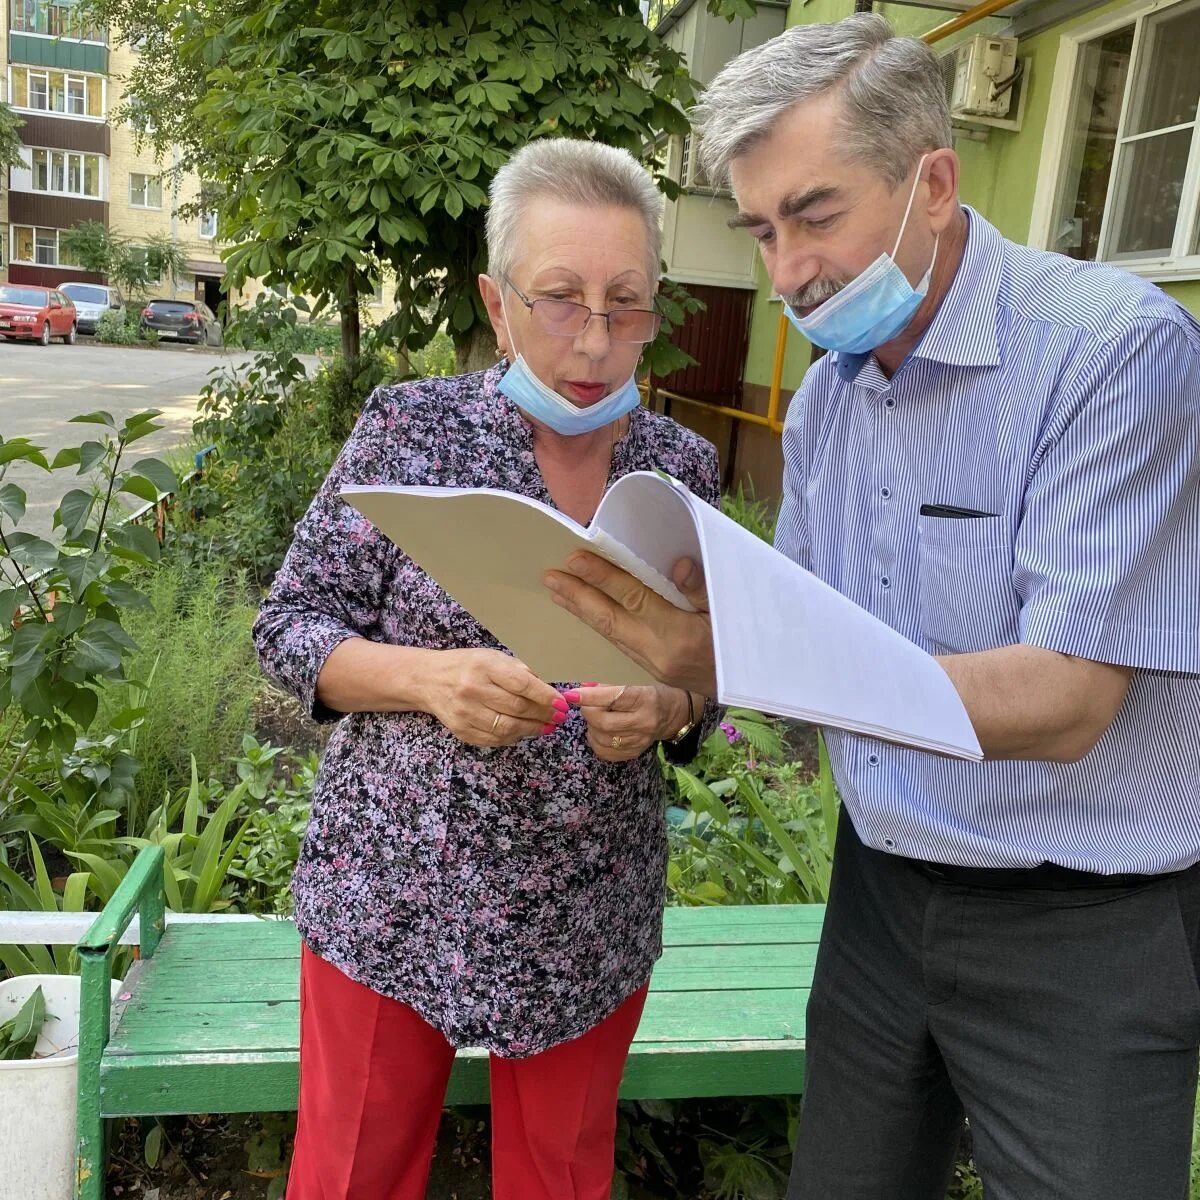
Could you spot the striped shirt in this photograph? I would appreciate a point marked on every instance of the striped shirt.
(1062, 399)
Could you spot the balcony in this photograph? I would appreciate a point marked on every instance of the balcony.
(64, 54)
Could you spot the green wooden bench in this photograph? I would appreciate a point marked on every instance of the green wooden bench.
(212, 1019)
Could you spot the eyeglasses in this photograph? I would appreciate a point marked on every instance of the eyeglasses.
(565, 318)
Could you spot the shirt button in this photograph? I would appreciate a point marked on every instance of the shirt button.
(886, 581)
(889, 843)
(889, 403)
(886, 493)
(873, 760)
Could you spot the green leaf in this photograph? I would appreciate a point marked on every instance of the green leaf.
(99, 417)
(32, 551)
(81, 708)
(24, 450)
(153, 1147)
(12, 502)
(143, 489)
(68, 456)
(90, 453)
(158, 473)
(136, 543)
(73, 511)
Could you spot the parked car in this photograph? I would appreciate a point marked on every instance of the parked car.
(36, 314)
(92, 301)
(182, 320)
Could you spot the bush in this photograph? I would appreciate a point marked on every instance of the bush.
(119, 327)
(195, 672)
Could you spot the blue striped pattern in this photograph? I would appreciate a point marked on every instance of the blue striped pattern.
(1063, 397)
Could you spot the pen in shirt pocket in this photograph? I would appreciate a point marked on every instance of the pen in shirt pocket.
(951, 510)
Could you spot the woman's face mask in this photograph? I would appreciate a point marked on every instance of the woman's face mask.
(873, 307)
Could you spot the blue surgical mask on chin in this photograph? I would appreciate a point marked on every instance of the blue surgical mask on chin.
(873, 307)
(544, 404)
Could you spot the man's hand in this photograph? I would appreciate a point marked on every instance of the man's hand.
(673, 645)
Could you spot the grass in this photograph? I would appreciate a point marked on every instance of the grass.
(196, 675)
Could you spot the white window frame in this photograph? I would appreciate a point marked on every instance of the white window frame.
(146, 189)
(68, 76)
(1055, 148)
(208, 226)
(51, 37)
(67, 155)
(58, 258)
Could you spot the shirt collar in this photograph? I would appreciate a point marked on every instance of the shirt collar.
(963, 330)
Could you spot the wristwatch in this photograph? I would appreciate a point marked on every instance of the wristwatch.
(691, 722)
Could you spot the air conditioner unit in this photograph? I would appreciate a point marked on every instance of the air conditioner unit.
(691, 176)
(982, 81)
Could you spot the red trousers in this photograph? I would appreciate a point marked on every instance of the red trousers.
(373, 1077)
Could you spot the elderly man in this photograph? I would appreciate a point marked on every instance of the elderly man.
(1000, 459)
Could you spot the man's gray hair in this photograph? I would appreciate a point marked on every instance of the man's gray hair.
(589, 174)
(894, 99)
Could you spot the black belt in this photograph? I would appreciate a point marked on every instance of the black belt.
(1045, 875)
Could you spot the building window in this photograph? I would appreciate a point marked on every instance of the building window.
(141, 256)
(1127, 187)
(37, 246)
(62, 92)
(53, 19)
(67, 173)
(208, 225)
(145, 191)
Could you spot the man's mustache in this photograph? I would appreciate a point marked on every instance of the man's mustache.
(814, 293)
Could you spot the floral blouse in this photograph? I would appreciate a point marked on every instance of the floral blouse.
(511, 896)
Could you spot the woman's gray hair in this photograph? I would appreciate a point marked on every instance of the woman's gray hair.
(894, 98)
(589, 174)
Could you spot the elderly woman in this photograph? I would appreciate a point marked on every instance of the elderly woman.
(485, 862)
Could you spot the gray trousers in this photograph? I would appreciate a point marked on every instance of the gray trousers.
(1065, 1024)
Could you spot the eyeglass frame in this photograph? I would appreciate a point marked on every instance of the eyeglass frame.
(606, 316)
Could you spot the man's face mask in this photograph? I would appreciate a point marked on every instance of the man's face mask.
(874, 306)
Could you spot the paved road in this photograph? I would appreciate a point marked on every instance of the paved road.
(42, 387)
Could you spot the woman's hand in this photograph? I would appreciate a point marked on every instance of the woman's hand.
(487, 698)
(624, 722)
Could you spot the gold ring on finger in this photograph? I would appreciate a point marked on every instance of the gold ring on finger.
(496, 723)
(617, 741)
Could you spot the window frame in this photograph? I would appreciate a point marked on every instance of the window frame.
(33, 72)
(80, 165)
(148, 179)
(209, 219)
(17, 21)
(34, 230)
(1056, 149)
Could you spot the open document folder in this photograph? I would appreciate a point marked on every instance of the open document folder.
(785, 642)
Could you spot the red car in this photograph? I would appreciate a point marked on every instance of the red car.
(36, 314)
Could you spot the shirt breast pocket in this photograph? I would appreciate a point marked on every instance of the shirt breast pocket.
(968, 602)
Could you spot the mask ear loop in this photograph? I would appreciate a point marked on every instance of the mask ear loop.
(512, 345)
(911, 197)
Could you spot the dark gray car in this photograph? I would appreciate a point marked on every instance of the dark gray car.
(182, 321)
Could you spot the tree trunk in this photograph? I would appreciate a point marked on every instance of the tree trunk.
(351, 334)
(478, 351)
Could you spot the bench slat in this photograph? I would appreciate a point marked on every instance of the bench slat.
(690, 968)
(162, 1085)
(159, 1027)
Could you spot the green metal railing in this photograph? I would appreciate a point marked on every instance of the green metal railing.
(141, 892)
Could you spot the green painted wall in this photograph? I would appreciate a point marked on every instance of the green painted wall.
(999, 176)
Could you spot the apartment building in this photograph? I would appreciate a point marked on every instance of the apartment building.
(61, 76)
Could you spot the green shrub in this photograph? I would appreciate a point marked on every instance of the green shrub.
(113, 329)
(195, 672)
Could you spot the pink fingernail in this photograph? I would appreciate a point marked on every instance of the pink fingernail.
(548, 728)
(571, 696)
(560, 704)
(559, 718)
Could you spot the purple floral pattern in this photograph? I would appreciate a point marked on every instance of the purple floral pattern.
(512, 897)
